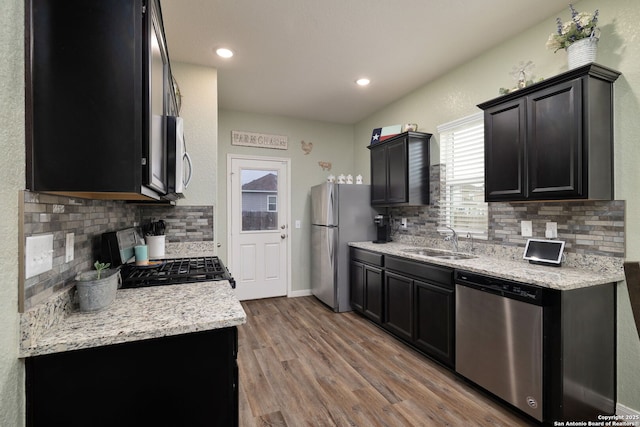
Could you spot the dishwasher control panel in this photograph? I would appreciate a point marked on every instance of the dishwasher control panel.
(504, 287)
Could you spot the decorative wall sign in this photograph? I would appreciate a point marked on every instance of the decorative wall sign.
(326, 166)
(306, 147)
(260, 140)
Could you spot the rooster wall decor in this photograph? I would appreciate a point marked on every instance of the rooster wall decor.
(306, 147)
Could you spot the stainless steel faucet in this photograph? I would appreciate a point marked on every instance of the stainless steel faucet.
(453, 238)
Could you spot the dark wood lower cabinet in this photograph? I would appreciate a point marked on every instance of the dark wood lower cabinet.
(578, 349)
(189, 379)
(356, 285)
(373, 293)
(366, 277)
(419, 307)
(399, 307)
(413, 301)
(435, 321)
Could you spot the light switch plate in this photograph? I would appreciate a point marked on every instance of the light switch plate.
(551, 231)
(38, 255)
(526, 228)
(298, 223)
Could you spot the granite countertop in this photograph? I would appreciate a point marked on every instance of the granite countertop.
(136, 314)
(561, 278)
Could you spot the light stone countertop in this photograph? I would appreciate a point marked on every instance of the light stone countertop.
(136, 314)
(561, 278)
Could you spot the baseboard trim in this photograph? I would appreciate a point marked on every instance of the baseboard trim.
(302, 293)
(628, 413)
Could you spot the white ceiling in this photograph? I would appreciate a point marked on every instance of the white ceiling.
(300, 58)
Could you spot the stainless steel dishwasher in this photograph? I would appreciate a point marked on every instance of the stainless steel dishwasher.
(499, 339)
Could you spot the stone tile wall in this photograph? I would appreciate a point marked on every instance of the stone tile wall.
(588, 227)
(184, 223)
(87, 220)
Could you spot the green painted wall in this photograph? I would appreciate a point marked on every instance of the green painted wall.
(331, 143)
(12, 176)
(457, 93)
(199, 88)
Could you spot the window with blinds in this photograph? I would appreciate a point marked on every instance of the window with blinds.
(462, 205)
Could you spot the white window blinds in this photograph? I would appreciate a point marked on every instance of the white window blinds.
(462, 205)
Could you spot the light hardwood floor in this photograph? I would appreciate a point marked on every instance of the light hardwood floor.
(301, 364)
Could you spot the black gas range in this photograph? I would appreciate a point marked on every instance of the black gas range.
(175, 271)
(117, 249)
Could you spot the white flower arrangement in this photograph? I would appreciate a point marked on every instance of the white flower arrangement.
(581, 26)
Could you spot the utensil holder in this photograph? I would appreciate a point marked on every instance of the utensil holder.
(156, 246)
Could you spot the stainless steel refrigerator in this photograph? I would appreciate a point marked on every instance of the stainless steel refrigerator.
(340, 213)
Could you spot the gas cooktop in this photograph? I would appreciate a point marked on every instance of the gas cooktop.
(175, 271)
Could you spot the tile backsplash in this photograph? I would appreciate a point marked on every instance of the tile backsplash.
(588, 227)
(184, 223)
(87, 220)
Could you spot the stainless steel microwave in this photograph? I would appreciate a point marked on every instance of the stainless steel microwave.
(179, 165)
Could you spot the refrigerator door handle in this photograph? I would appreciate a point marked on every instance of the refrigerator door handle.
(331, 247)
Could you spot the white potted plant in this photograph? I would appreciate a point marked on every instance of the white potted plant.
(579, 36)
(96, 289)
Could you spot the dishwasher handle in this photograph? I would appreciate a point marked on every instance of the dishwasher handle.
(506, 288)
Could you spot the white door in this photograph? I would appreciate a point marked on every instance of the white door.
(259, 226)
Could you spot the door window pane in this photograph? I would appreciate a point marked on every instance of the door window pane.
(259, 199)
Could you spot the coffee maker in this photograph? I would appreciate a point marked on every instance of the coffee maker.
(383, 228)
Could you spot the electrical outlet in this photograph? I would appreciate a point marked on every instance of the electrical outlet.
(551, 231)
(38, 255)
(403, 223)
(526, 228)
(68, 249)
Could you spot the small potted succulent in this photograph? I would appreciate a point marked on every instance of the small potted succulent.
(96, 289)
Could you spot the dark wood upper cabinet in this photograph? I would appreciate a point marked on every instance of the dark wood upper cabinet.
(504, 150)
(552, 140)
(400, 170)
(98, 88)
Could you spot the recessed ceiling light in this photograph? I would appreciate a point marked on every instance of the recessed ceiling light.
(363, 82)
(223, 52)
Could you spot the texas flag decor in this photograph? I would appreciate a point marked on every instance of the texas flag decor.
(380, 134)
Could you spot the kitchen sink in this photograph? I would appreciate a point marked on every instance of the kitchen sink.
(435, 253)
(424, 252)
(455, 256)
